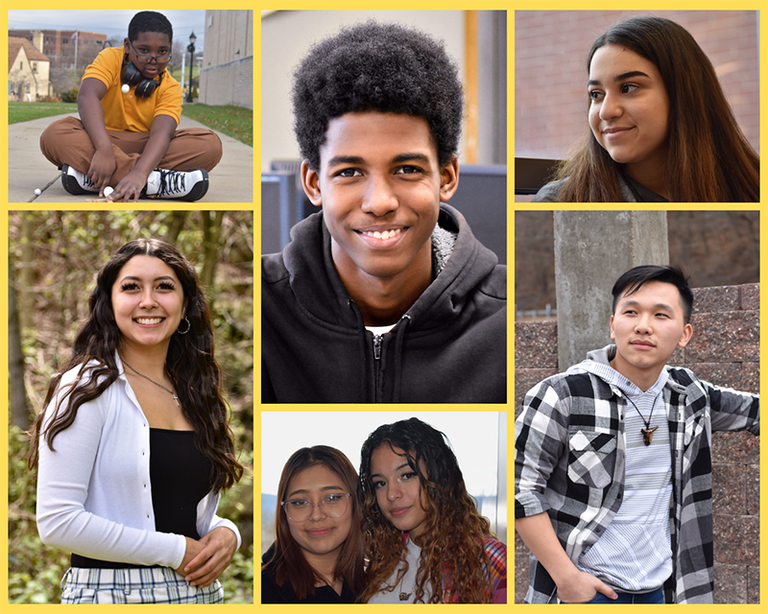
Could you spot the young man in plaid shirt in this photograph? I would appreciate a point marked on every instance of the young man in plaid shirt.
(613, 474)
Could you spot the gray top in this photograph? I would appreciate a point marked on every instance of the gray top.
(631, 191)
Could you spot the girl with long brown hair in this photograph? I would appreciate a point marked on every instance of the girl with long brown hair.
(426, 540)
(133, 446)
(661, 128)
(317, 556)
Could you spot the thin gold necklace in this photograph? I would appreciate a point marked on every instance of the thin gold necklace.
(173, 394)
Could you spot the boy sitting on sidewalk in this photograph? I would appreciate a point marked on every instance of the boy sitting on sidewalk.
(126, 136)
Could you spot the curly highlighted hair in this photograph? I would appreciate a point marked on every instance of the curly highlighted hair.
(452, 539)
(386, 68)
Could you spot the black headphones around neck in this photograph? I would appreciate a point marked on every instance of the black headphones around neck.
(133, 77)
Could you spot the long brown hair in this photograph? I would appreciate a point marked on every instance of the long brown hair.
(710, 159)
(453, 536)
(288, 562)
(190, 364)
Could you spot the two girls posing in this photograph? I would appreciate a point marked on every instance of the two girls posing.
(406, 531)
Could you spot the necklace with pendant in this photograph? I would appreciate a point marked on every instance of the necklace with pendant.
(647, 432)
(173, 394)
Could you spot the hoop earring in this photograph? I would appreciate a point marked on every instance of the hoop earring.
(188, 327)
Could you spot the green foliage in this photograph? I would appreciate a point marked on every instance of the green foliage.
(54, 256)
(34, 570)
(176, 72)
(26, 111)
(231, 120)
(70, 95)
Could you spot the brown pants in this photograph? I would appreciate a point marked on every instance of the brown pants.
(66, 142)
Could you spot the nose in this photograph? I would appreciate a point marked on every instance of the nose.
(394, 491)
(643, 325)
(379, 198)
(318, 513)
(610, 108)
(147, 300)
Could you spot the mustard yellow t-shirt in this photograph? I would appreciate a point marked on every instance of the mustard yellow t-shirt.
(128, 112)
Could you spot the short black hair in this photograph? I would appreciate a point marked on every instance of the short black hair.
(387, 68)
(149, 21)
(631, 281)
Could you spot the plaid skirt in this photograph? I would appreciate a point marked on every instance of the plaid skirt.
(139, 585)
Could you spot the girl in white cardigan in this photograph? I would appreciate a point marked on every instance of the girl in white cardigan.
(133, 446)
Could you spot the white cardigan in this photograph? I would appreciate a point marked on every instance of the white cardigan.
(93, 493)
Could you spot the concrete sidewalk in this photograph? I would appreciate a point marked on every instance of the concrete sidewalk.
(231, 180)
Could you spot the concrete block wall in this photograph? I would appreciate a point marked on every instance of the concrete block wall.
(724, 350)
(230, 83)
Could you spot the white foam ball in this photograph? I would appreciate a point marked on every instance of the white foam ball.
(125, 89)
(108, 191)
(38, 192)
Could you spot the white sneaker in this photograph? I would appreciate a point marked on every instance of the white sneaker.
(76, 182)
(183, 185)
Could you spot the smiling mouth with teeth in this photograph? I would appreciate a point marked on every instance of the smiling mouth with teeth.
(387, 234)
(149, 320)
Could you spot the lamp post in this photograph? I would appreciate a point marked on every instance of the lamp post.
(191, 49)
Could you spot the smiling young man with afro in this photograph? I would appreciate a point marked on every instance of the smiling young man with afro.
(384, 295)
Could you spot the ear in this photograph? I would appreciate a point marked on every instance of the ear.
(687, 334)
(449, 179)
(126, 45)
(310, 181)
(613, 336)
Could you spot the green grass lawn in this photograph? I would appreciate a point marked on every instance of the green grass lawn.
(25, 111)
(233, 121)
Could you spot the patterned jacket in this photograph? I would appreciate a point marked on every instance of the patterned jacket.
(569, 462)
(497, 556)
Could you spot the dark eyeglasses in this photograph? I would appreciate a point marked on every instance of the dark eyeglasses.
(146, 58)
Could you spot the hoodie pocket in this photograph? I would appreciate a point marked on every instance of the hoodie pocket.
(591, 458)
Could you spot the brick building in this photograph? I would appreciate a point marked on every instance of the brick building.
(65, 48)
(551, 77)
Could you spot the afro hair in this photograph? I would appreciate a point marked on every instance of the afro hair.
(386, 68)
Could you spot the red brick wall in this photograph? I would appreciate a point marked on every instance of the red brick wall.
(724, 350)
(550, 70)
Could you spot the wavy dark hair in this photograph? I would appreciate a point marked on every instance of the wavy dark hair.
(710, 159)
(386, 68)
(190, 365)
(454, 532)
(287, 561)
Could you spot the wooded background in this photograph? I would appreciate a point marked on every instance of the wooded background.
(54, 258)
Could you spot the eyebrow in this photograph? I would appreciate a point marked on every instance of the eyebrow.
(631, 303)
(302, 491)
(398, 159)
(622, 76)
(396, 470)
(134, 278)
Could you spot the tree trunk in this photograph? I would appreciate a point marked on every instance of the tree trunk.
(18, 393)
(212, 221)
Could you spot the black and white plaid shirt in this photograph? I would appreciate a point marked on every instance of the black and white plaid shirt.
(570, 457)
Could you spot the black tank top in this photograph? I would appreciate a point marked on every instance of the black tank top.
(180, 478)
